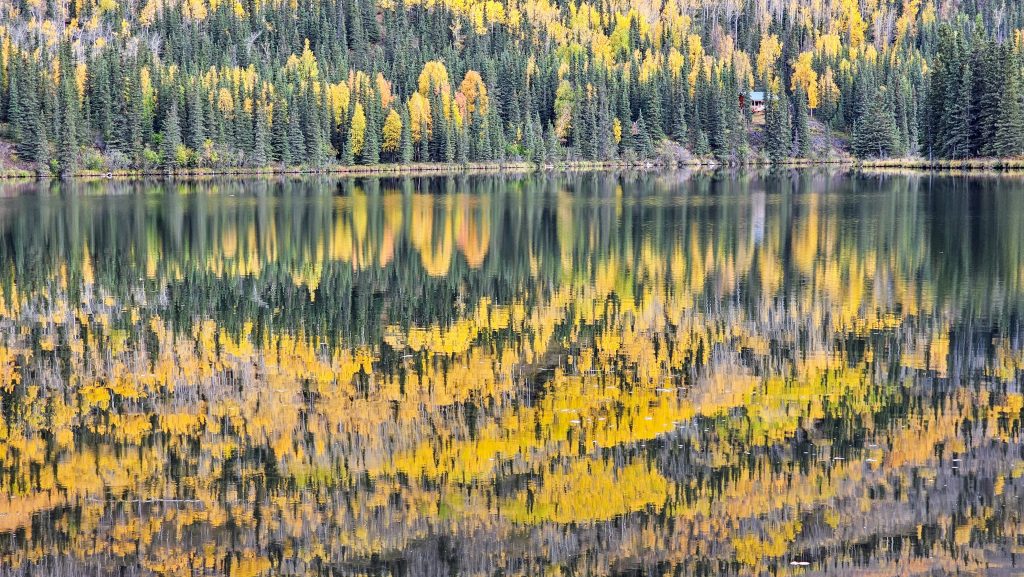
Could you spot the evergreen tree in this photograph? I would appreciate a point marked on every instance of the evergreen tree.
(405, 149)
(956, 126)
(296, 139)
(801, 123)
(1008, 138)
(171, 139)
(67, 159)
(778, 135)
(260, 136)
(279, 142)
(874, 134)
(643, 144)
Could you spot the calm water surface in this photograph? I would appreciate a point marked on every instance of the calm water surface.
(560, 376)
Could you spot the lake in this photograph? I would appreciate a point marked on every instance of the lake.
(593, 374)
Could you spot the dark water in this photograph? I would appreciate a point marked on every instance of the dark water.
(586, 375)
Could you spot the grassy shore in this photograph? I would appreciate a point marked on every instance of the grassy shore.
(415, 169)
(974, 165)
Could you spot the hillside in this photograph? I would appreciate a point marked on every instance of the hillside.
(105, 85)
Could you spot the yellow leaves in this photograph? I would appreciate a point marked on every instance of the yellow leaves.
(767, 55)
(434, 77)
(751, 549)
(304, 65)
(106, 5)
(675, 61)
(358, 128)
(564, 102)
(617, 130)
(650, 65)
(484, 14)
(392, 132)
(905, 23)
(131, 427)
(148, 13)
(804, 76)
(384, 88)
(474, 94)
(181, 423)
(928, 15)
(194, 9)
(238, 9)
(588, 491)
(146, 86)
(853, 23)
(225, 102)
(96, 396)
(359, 84)
(9, 374)
(744, 70)
(871, 53)
(828, 45)
(419, 116)
(338, 100)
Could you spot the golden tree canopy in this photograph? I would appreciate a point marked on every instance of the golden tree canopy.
(392, 132)
(358, 134)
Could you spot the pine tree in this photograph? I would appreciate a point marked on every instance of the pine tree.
(956, 127)
(643, 144)
(874, 134)
(26, 116)
(801, 123)
(554, 148)
(778, 136)
(1008, 139)
(260, 136)
(42, 154)
(405, 144)
(172, 139)
(279, 144)
(67, 159)
(296, 139)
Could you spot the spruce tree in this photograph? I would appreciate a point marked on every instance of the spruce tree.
(171, 139)
(42, 154)
(956, 128)
(279, 144)
(643, 144)
(778, 137)
(405, 149)
(874, 134)
(296, 140)
(1008, 139)
(68, 150)
(801, 123)
(260, 136)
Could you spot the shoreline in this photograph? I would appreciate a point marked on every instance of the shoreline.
(974, 165)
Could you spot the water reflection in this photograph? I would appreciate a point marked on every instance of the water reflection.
(587, 375)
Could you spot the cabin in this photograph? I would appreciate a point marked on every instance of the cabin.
(756, 98)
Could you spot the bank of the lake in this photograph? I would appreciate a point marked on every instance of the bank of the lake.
(970, 165)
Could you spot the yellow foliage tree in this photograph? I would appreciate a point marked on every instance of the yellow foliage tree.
(474, 93)
(805, 76)
(768, 53)
(434, 75)
(392, 132)
(358, 128)
(419, 116)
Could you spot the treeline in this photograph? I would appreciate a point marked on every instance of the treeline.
(103, 85)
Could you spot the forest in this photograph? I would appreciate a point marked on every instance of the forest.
(169, 85)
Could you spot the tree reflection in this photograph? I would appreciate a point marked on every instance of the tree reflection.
(594, 374)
